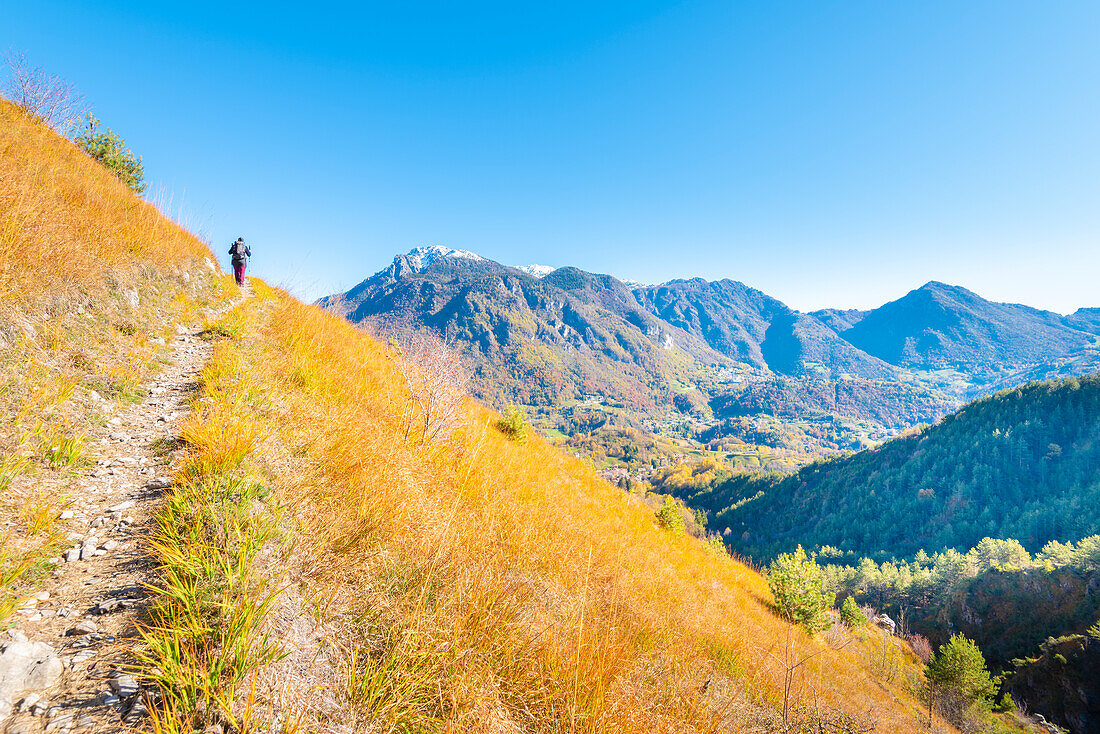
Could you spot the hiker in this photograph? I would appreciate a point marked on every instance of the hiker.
(240, 252)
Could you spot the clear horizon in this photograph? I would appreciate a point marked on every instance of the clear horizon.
(829, 156)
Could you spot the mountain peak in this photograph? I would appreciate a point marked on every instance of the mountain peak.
(937, 286)
(423, 257)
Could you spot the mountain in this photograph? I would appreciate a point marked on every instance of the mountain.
(543, 337)
(610, 323)
(939, 325)
(533, 340)
(750, 326)
(700, 317)
(1021, 464)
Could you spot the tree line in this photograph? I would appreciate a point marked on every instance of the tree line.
(997, 593)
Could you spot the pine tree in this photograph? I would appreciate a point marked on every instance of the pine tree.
(959, 667)
(797, 584)
(850, 614)
(110, 150)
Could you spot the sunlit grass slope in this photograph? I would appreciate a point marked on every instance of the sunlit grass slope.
(67, 225)
(319, 571)
(93, 281)
(478, 584)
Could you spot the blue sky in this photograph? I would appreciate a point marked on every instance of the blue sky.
(828, 153)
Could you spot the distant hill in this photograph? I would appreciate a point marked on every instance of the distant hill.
(1083, 362)
(1022, 464)
(1085, 319)
(891, 404)
(939, 325)
(750, 326)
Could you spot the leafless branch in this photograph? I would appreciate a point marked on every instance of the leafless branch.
(42, 95)
(436, 380)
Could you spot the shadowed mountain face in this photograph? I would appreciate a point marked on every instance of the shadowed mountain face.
(541, 340)
(939, 325)
(749, 326)
(730, 316)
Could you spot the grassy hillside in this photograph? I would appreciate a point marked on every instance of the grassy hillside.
(92, 283)
(320, 567)
(1021, 464)
(490, 584)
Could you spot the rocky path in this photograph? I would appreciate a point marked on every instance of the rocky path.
(63, 664)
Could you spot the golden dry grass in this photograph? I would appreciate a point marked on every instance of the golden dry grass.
(487, 585)
(91, 276)
(66, 222)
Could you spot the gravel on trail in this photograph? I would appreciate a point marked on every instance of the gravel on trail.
(64, 664)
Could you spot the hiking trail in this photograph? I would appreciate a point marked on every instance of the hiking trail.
(72, 638)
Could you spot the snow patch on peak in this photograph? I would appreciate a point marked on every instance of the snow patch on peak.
(423, 257)
(535, 271)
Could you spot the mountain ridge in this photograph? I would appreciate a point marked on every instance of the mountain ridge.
(530, 333)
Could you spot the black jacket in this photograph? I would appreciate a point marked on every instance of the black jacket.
(240, 253)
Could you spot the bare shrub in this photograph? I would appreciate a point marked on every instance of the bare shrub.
(838, 635)
(922, 648)
(886, 658)
(790, 662)
(436, 380)
(44, 96)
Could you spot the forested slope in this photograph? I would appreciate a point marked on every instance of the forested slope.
(1021, 464)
